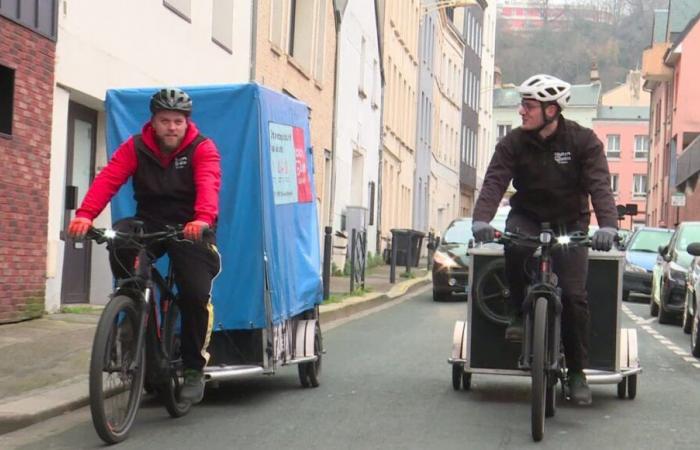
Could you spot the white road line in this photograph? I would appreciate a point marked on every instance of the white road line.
(662, 339)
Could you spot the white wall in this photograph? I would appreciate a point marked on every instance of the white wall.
(131, 43)
(358, 119)
(486, 138)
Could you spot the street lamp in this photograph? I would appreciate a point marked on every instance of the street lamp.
(442, 4)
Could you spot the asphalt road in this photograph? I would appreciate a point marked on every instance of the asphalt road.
(386, 385)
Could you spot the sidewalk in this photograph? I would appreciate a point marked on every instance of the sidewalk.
(44, 364)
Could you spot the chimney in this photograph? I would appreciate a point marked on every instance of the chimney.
(595, 75)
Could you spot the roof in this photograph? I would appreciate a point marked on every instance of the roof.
(660, 21)
(680, 13)
(582, 95)
(622, 113)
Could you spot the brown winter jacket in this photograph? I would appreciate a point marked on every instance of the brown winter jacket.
(553, 177)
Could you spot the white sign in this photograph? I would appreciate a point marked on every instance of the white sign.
(678, 199)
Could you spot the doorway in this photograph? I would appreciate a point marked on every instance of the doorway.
(80, 163)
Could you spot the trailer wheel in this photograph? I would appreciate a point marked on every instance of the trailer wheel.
(466, 381)
(457, 371)
(632, 387)
(622, 388)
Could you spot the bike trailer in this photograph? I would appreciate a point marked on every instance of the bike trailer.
(267, 234)
(479, 344)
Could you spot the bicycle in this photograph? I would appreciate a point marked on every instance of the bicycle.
(136, 342)
(541, 344)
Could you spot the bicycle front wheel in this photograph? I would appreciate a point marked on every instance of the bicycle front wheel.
(538, 369)
(117, 369)
(170, 391)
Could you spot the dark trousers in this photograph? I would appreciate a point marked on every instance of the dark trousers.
(571, 267)
(195, 266)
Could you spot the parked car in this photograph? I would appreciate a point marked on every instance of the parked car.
(668, 300)
(450, 259)
(641, 254)
(691, 316)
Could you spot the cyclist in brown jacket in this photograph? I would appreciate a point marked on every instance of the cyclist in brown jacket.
(556, 166)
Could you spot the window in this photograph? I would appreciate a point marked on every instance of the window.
(614, 182)
(502, 131)
(301, 15)
(613, 149)
(222, 24)
(363, 52)
(641, 146)
(7, 90)
(320, 40)
(276, 22)
(179, 7)
(640, 185)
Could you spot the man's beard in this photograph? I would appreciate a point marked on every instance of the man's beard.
(167, 148)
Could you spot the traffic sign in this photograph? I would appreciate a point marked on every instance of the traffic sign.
(678, 199)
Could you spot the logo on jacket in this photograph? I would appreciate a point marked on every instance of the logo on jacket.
(562, 157)
(181, 162)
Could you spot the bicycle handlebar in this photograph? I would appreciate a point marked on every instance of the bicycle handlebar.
(576, 239)
(102, 235)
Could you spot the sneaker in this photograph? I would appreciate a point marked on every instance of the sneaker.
(514, 331)
(193, 388)
(578, 388)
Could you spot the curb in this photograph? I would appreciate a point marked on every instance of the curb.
(353, 305)
(42, 404)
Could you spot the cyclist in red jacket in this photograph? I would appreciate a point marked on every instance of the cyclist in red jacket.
(176, 176)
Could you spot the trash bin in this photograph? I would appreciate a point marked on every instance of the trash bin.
(404, 239)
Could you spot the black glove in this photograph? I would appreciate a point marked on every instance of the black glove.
(483, 232)
(603, 239)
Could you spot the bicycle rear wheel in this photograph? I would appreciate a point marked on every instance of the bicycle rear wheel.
(116, 376)
(538, 369)
(170, 390)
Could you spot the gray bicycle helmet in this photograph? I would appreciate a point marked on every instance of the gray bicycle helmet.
(171, 99)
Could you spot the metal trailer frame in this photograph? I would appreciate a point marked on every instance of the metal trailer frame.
(626, 345)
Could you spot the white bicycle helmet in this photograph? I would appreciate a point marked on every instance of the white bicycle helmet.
(546, 88)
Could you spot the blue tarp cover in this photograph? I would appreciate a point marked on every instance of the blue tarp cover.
(266, 206)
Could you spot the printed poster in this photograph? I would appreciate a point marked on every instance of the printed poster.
(290, 175)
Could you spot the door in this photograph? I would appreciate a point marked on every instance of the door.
(80, 163)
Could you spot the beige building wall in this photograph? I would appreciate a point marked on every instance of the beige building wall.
(400, 57)
(447, 92)
(628, 94)
(299, 60)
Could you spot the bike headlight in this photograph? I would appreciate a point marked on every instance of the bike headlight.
(545, 237)
(443, 259)
(110, 234)
(564, 240)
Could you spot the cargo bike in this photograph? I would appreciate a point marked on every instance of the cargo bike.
(266, 297)
(479, 345)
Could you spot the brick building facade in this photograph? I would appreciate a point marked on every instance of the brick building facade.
(26, 93)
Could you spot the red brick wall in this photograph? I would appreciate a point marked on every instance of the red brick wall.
(24, 176)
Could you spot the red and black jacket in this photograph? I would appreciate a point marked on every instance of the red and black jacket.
(173, 188)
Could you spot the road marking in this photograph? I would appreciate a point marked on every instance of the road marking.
(661, 338)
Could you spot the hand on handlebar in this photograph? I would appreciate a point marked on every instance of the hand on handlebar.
(603, 239)
(194, 231)
(483, 232)
(78, 228)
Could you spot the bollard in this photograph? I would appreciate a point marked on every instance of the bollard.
(392, 270)
(352, 259)
(327, 262)
(409, 254)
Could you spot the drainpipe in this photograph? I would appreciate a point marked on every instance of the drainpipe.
(253, 38)
(380, 151)
(334, 132)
